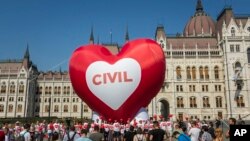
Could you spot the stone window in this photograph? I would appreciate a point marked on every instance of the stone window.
(194, 73)
(248, 55)
(1, 108)
(65, 108)
(188, 73)
(19, 108)
(218, 102)
(46, 108)
(180, 102)
(240, 101)
(85, 108)
(75, 108)
(21, 88)
(56, 108)
(12, 88)
(206, 73)
(201, 73)
(206, 102)
(231, 48)
(216, 72)
(237, 48)
(233, 31)
(178, 73)
(192, 101)
(3, 88)
(10, 108)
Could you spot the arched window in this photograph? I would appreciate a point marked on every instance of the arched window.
(206, 73)
(193, 73)
(64, 90)
(1, 108)
(65, 108)
(201, 73)
(178, 73)
(206, 102)
(19, 108)
(240, 101)
(218, 102)
(50, 89)
(55, 90)
(3, 88)
(68, 90)
(56, 108)
(237, 67)
(12, 88)
(233, 31)
(188, 73)
(85, 108)
(192, 101)
(21, 88)
(59, 90)
(10, 108)
(75, 108)
(46, 90)
(180, 102)
(46, 108)
(216, 72)
(40, 90)
(248, 55)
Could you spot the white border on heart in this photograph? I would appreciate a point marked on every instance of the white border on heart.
(113, 83)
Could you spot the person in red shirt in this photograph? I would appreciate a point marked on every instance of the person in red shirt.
(2, 135)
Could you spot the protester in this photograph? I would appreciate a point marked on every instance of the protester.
(218, 134)
(194, 132)
(71, 135)
(206, 136)
(96, 135)
(129, 135)
(84, 137)
(157, 134)
(232, 121)
(180, 136)
(25, 132)
(139, 135)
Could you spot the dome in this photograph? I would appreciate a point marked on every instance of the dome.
(200, 24)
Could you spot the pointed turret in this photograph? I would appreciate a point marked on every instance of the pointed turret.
(26, 58)
(91, 38)
(199, 7)
(126, 35)
(27, 54)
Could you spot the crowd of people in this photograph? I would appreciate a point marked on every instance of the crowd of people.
(142, 130)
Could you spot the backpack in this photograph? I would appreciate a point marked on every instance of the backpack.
(71, 139)
(21, 137)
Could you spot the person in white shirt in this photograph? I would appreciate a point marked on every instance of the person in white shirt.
(194, 132)
(117, 127)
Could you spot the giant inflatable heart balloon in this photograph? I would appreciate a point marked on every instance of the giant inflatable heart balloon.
(117, 86)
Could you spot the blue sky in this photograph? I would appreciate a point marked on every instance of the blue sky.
(55, 28)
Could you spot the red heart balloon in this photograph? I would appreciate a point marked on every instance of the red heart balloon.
(117, 86)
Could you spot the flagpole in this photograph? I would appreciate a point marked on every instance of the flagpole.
(110, 36)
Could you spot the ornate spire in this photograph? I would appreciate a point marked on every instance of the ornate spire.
(91, 38)
(199, 7)
(126, 35)
(27, 54)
